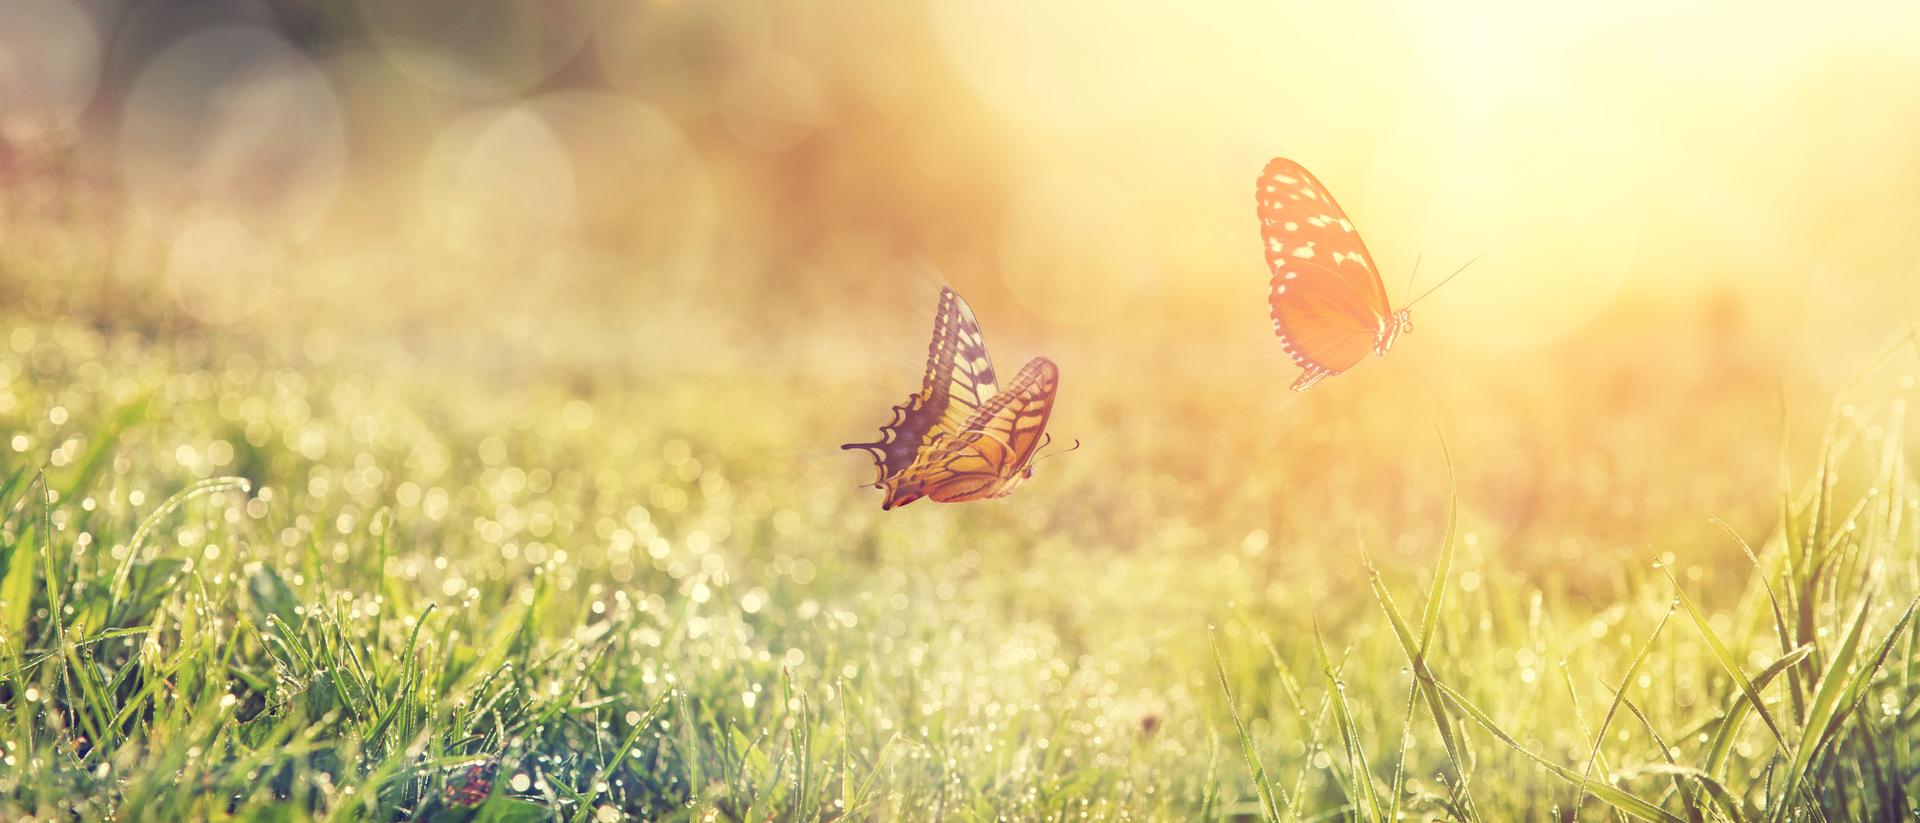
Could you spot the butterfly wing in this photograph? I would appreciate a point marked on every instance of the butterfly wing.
(990, 455)
(959, 381)
(1328, 304)
(959, 372)
(1324, 327)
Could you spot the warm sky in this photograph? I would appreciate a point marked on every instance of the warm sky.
(1085, 162)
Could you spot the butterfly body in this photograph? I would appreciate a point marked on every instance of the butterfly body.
(1327, 302)
(962, 437)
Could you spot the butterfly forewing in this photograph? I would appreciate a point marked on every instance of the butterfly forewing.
(959, 380)
(959, 372)
(1327, 301)
(1300, 221)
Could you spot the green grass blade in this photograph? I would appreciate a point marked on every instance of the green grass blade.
(1363, 791)
(1857, 686)
(1739, 705)
(1423, 676)
(1666, 753)
(1270, 804)
(1627, 803)
(1732, 666)
(211, 485)
(1438, 593)
(607, 766)
(16, 588)
(1827, 696)
(1620, 694)
(1723, 800)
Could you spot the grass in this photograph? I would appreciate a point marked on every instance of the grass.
(236, 587)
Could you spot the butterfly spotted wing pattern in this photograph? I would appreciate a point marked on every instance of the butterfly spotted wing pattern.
(994, 450)
(1328, 304)
(959, 381)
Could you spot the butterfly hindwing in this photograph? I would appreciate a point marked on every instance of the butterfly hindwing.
(992, 452)
(1324, 327)
(959, 380)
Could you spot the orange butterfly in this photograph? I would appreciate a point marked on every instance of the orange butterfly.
(961, 437)
(1329, 306)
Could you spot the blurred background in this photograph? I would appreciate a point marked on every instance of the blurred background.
(1691, 226)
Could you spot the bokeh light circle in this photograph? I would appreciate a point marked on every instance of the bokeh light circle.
(49, 66)
(498, 184)
(773, 103)
(219, 270)
(480, 48)
(390, 120)
(679, 57)
(235, 118)
(866, 96)
(651, 197)
(1067, 64)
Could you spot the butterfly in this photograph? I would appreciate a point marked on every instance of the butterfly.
(1328, 304)
(962, 437)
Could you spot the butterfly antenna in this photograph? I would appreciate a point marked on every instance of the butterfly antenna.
(1076, 447)
(1436, 286)
(1414, 275)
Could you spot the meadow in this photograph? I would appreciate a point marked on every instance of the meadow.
(324, 584)
(428, 411)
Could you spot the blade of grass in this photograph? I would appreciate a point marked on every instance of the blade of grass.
(1760, 573)
(1857, 687)
(1618, 798)
(1739, 705)
(211, 485)
(1423, 675)
(1723, 800)
(1728, 662)
(1666, 753)
(1270, 804)
(1364, 789)
(1827, 696)
(609, 764)
(1606, 720)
